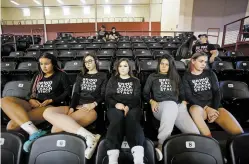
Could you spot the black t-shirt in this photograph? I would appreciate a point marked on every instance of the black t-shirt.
(125, 91)
(159, 88)
(89, 88)
(115, 33)
(205, 47)
(202, 89)
(55, 87)
(102, 34)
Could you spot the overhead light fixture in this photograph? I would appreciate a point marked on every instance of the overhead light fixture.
(106, 1)
(37, 2)
(83, 1)
(47, 11)
(107, 10)
(86, 10)
(14, 2)
(66, 10)
(26, 12)
(127, 9)
(130, 1)
(60, 2)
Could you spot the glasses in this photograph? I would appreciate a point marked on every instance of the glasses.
(89, 62)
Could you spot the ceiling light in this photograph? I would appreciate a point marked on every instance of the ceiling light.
(60, 2)
(37, 2)
(83, 1)
(15, 3)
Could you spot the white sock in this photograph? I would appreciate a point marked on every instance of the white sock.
(113, 156)
(29, 127)
(138, 154)
(84, 133)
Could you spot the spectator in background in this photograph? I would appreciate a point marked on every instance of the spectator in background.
(204, 46)
(102, 34)
(114, 35)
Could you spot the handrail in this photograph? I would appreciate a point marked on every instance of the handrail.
(236, 20)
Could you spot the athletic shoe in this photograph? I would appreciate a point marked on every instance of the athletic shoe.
(91, 145)
(159, 153)
(32, 138)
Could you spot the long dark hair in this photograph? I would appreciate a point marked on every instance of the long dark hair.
(40, 74)
(84, 69)
(130, 73)
(172, 72)
(194, 57)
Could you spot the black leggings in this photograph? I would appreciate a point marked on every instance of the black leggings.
(121, 126)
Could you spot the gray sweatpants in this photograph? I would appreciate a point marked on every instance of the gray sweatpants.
(169, 114)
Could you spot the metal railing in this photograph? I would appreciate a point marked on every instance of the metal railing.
(233, 32)
(71, 20)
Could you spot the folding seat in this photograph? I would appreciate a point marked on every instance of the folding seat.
(157, 37)
(30, 56)
(49, 42)
(170, 46)
(72, 42)
(135, 40)
(238, 148)
(109, 46)
(162, 41)
(85, 41)
(154, 46)
(66, 55)
(192, 149)
(53, 52)
(125, 37)
(224, 70)
(235, 97)
(105, 54)
(124, 53)
(242, 65)
(125, 155)
(242, 71)
(142, 54)
(62, 47)
(11, 148)
(47, 47)
(159, 53)
(98, 41)
(105, 66)
(168, 38)
(73, 68)
(124, 45)
(123, 40)
(139, 46)
(58, 149)
(35, 47)
(93, 46)
(111, 41)
(8, 66)
(82, 53)
(145, 37)
(135, 37)
(60, 42)
(145, 68)
(180, 67)
(237, 56)
(81, 37)
(13, 56)
(25, 70)
(78, 47)
(147, 41)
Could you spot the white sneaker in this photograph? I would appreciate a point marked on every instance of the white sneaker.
(159, 154)
(91, 145)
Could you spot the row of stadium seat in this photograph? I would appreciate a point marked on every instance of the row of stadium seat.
(64, 148)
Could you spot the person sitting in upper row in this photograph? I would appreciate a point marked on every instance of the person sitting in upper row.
(114, 35)
(102, 33)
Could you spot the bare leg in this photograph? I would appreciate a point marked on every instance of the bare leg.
(69, 123)
(199, 116)
(227, 121)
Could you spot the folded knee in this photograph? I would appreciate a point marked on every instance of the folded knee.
(47, 113)
(6, 100)
(12, 126)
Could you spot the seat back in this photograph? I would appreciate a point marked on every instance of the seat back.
(11, 148)
(222, 65)
(234, 90)
(58, 148)
(238, 149)
(18, 89)
(244, 65)
(29, 66)
(126, 53)
(74, 65)
(8, 66)
(192, 149)
(125, 155)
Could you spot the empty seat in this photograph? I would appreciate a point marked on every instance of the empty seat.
(28, 66)
(73, 68)
(66, 55)
(105, 66)
(124, 53)
(47, 47)
(11, 148)
(49, 42)
(238, 148)
(159, 53)
(63, 47)
(170, 46)
(111, 41)
(105, 54)
(124, 45)
(234, 53)
(8, 66)
(149, 40)
(72, 42)
(142, 54)
(139, 46)
(85, 41)
(145, 37)
(98, 41)
(125, 155)
(93, 46)
(81, 37)
(224, 70)
(58, 148)
(30, 56)
(192, 149)
(175, 41)
(242, 65)
(180, 67)
(123, 40)
(78, 47)
(35, 47)
(18, 89)
(162, 41)
(235, 97)
(13, 56)
(137, 40)
(55, 53)
(82, 53)
(125, 37)
(135, 37)
(60, 42)
(145, 68)
(109, 46)
(154, 46)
